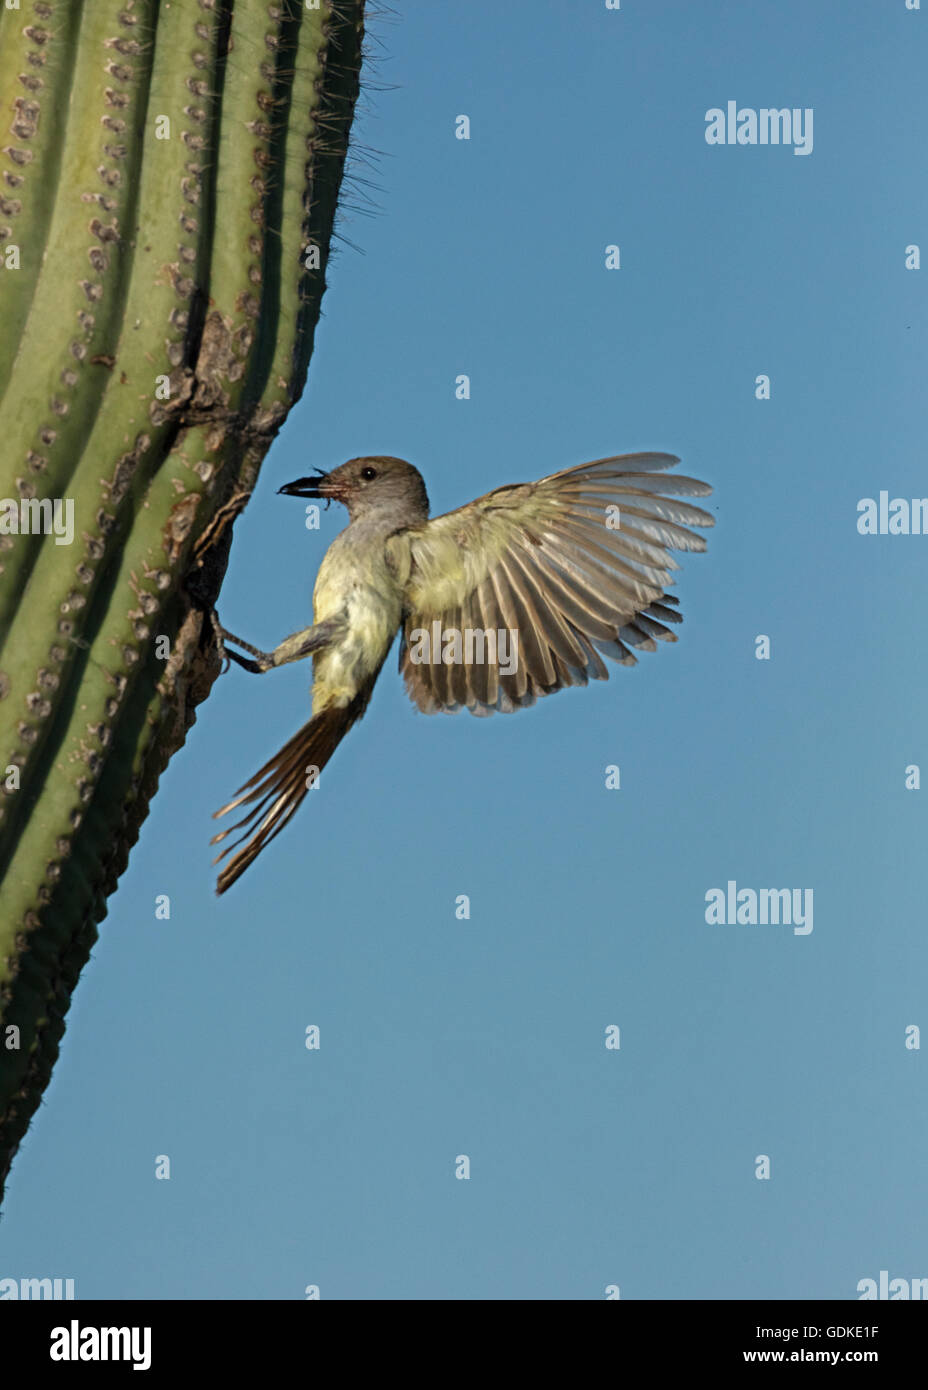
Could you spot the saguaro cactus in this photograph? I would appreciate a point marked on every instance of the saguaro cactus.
(168, 180)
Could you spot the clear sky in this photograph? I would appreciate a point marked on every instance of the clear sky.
(486, 1037)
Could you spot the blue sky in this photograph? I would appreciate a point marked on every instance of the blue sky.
(439, 1037)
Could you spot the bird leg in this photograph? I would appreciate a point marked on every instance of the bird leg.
(293, 648)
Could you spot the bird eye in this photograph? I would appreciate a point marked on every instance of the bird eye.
(368, 473)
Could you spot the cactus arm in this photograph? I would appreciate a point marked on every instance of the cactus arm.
(57, 381)
(202, 282)
(37, 54)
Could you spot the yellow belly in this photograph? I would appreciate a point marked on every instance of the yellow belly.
(361, 591)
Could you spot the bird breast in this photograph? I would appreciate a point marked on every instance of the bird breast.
(354, 585)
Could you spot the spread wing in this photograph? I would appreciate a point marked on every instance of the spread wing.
(576, 565)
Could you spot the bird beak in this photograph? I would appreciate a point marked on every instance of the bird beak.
(308, 487)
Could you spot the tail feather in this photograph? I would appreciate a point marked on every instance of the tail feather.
(281, 784)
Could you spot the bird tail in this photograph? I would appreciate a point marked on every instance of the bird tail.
(281, 784)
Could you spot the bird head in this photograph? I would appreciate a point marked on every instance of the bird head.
(367, 486)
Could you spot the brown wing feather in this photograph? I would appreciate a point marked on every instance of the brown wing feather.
(542, 560)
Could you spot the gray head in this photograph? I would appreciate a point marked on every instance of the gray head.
(370, 486)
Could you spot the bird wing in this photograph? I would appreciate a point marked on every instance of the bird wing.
(576, 564)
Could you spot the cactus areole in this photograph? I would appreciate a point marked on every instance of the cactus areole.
(169, 174)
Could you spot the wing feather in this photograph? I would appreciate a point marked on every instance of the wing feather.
(577, 566)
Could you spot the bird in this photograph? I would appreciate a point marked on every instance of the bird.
(509, 598)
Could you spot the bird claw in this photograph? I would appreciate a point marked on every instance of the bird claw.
(219, 634)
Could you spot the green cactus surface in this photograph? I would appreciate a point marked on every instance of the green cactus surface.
(169, 174)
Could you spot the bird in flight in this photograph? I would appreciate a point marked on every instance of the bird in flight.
(514, 596)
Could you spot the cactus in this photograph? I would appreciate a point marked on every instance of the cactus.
(168, 182)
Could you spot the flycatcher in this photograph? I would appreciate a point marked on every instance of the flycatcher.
(514, 596)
